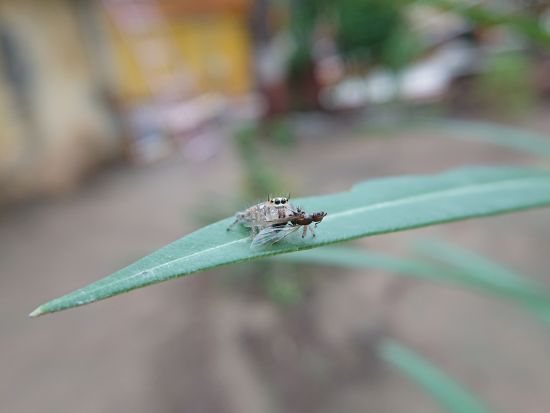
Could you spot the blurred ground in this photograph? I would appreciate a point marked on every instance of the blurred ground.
(193, 346)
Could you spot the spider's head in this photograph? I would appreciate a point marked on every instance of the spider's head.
(278, 202)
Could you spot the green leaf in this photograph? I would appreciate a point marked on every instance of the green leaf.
(515, 287)
(532, 296)
(444, 390)
(373, 207)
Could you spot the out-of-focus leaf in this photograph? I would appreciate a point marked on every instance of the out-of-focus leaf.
(476, 131)
(373, 207)
(458, 260)
(509, 286)
(515, 138)
(523, 23)
(448, 393)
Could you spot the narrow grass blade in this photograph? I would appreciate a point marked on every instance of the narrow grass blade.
(448, 393)
(370, 208)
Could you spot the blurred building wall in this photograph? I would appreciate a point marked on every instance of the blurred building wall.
(191, 47)
(54, 125)
(72, 70)
(168, 55)
(229, 69)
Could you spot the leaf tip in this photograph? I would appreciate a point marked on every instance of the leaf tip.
(37, 312)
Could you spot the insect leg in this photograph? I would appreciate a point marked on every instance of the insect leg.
(240, 218)
(304, 232)
(312, 232)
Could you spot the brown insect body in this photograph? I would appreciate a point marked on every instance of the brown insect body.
(305, 220)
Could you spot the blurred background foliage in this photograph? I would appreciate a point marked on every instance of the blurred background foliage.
(136, 80)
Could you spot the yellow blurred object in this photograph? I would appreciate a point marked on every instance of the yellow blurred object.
(216, 51)
(187, 52)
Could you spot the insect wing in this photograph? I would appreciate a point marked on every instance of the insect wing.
(271, 235)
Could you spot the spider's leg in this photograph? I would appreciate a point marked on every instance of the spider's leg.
(232, 225)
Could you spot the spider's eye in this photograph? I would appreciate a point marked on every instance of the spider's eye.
(277, 201)
(283, 201)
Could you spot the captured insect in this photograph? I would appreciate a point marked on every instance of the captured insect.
(273, 220)
(298, 219)
(273, 212)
